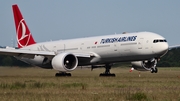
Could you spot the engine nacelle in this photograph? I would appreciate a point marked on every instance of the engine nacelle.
(64, 62)
(144, 65)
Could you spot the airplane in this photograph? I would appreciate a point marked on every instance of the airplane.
(142, 49)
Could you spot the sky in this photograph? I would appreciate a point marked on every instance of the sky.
(67, 19)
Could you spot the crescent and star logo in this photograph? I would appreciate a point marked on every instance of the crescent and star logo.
(23, 36)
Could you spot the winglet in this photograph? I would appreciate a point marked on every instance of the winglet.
(23, 34)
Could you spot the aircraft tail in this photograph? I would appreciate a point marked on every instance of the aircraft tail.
(23, 34)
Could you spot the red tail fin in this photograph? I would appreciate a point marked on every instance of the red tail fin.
(23, 34)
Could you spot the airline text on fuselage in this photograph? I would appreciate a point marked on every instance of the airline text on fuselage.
(120, 39)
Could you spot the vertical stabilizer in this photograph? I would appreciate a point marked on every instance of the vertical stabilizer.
(23, 34)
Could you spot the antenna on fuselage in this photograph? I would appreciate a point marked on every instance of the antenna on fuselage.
(124, 33)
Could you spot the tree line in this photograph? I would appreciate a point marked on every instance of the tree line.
(171, 59)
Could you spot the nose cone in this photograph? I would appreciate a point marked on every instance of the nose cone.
(162, 48)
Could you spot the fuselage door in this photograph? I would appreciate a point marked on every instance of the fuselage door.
(115, 47)
(140, 43)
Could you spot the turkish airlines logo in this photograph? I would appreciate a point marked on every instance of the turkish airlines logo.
(23, 34)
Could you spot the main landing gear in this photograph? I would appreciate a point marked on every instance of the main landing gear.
(62, 74)
(107, 71)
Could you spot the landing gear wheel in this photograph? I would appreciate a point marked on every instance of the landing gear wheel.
(154, 70)
(62, 74)
(109, 75)
(107, 71)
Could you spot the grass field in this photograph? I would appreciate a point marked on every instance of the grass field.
(36, 84)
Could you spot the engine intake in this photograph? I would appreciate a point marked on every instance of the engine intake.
(64, 62)
(144, 65)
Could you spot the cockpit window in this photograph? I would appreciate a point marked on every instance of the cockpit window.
(159, 40)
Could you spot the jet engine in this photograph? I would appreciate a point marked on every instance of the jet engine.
(147, 65)
(64, 62)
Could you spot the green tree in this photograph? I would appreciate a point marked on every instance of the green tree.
(171, 59)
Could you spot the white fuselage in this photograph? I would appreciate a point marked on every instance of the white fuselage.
(107, 49)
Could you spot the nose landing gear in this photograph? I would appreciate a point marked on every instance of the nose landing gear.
(154, 70)
(107, 71)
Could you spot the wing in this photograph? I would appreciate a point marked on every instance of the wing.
(24, 53)
(174, 47)
(31, 53)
